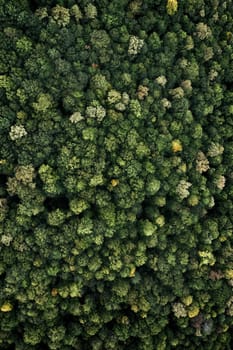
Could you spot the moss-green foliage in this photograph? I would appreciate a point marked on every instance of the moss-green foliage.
(116, 181)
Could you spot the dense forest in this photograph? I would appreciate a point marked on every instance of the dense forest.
(116, 174)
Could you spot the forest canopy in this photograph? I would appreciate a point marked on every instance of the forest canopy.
(116, 174)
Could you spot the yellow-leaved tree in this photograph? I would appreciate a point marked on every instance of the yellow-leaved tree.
(172, 6)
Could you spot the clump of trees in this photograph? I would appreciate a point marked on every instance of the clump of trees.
(116, 180)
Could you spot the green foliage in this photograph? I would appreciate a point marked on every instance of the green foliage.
(43, 103)
(148, 229)
(49, 179)
(56, 217)
(116, 175)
